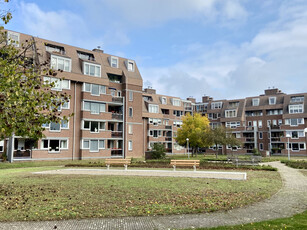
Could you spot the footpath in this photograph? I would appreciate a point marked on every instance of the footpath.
(290, 200)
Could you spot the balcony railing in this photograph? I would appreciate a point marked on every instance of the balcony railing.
(188, 108)
(168, 139)
(116, 133)
(117, 99)
(249, 139)
(117, 116)
(249, 128)
(168, 127)
(275, 126)
(22, 153)
(275, 139)
(116, 152)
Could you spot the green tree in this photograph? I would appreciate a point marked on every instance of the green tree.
(195, 128)
(158, 151)
(26, 101)
(222, 136)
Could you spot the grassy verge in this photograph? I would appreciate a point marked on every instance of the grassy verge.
(298, 221)
(301, 164)
(26, 196)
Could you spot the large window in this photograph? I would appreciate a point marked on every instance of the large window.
(94, 89)
(153, 108)
(13, 38)
(130, 65)
(91, 69)
(295, 134)
(297, 99)
(296, 146)
(113, 61)
(94, 107)
(234, 104)
(57, 127)
(274, 112)
(272, 100)
(253, 113)
(216, 105)
(176, 102)
(93, 126)
(296, 108)
(60, 63)
(294, 121)
(54, 145)
(59, 84)
(255, 101)
(93, 145)
(233, 124)
(155, 121)
(155, 133)
(230, 113)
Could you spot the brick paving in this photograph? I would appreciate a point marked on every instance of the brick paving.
(291, 199)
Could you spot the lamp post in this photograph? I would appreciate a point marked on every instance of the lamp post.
(188, 147)
(288, 136)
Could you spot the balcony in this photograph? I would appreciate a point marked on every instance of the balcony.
(275, 126)
(116, 134)
(275, 139)
(168, 127)
(249, 139)
(22, 153)
(117, 116)
(188, 108)
(116, 152)
(117, 99)
(168, 138)
(249, 128)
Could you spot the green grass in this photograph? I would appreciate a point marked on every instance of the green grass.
(26, 196)
(297, 222)
(304, 172)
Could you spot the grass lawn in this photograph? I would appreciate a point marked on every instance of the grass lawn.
(25, 196)
(298, 221)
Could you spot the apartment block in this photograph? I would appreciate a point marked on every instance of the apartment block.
(114, 116)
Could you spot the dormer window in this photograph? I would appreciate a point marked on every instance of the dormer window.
(272, 100)
(216, 105)
(13, 38)
(86, 56)
(163, 100)
(91, 69)
(255, 102)
(55, 49)
(60, 63)
(113, 61)
(130, 65)
(297, 99)
(176, 102)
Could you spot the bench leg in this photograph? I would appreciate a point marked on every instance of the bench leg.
(174, 167)
(126, 167)
(194, 167)
(108, 167)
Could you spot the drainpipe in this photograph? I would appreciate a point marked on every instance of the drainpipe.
(74, 134)
(124, 128)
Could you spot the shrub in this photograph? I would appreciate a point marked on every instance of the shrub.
(158, 151)
(296, 164)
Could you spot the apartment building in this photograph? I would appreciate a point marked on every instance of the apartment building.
(115, 117)
(106, 99)
(273, 122)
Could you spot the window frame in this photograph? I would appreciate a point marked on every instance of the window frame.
(57, 61)
(89, 72)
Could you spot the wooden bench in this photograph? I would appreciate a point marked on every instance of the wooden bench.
(193, 163)
(124, 162)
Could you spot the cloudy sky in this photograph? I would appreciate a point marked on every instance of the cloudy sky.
(221, 48)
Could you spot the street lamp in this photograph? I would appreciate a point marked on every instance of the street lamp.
(288, 136)
(188, 147)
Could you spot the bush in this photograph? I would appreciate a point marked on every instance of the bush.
(296, 164)
(158, 151)
(4, 157)
(256, 152)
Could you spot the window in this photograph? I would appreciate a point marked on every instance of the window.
(255, 101)
(13, 38)
(297, 99)
(279, 122)
(153, 108)
(60, 63)
(296, 146)
(129, 128)
(176, 102)
(94, 107)
(268, 123)
(230, 113)
(260, 124)
(59, 84)
(233, 124)
(1, 146)
(178, 113)
(93, 145)
(130, 145)
(94, 89)
(101, 144)
(54, 145)
(253, 113)
(130, 96)
(260, 146)
(294, 121)
(91, 69)
(216, 105)
(56, 127)
(130, 65)
(295, 134)
(130, 112)
(86, 56)
(274, 112)
(163, 100)
(177, 124)
(155, 121)
(260, 135)
(272, 100)
(234, 104)
(296, 108)
(113, 61)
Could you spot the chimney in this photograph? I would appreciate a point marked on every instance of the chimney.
(193, 100)
(273, 91)
(150, 91)
(207, 99)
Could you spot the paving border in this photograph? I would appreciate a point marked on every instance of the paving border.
(154, 173)
(290, 200)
